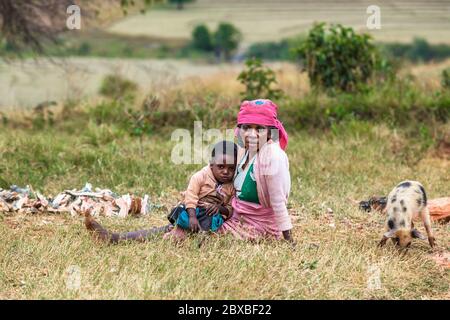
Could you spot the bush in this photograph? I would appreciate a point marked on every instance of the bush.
(397, 103)
(280, 50)
(108, 112)
(201, 38)
(84, 49)
(337, 57)
(115, 87)
(446, 79)
(418, 50)
(43, 115)
(257, 80)
(269, 50)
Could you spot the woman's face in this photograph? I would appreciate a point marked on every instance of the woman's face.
(253, 135)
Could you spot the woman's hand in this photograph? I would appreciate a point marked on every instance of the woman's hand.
(194, 226)
(210, 208)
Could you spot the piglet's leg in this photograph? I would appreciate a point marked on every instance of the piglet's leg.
(425, 215)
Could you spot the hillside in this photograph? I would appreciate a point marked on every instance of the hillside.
(263, 20)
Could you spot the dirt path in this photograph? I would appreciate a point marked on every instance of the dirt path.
(27, 83)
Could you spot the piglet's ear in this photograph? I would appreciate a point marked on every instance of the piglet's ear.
(416, 234)
(390, 234)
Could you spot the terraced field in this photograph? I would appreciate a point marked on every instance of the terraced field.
(263, 20)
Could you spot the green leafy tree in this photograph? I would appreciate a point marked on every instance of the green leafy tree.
(226, 40)
(337, 57)
(257, 80)
(201, 38)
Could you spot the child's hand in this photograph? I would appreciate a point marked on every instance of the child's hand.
(193, 224)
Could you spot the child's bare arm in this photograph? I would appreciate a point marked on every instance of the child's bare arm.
(191, 195)
(193, 221)
(227, 203)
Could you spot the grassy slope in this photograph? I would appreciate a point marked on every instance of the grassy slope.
(356, 161)
(272, 20)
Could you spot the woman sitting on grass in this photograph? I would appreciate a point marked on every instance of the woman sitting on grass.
(262, 180)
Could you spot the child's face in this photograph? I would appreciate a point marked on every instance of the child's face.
(223, 168)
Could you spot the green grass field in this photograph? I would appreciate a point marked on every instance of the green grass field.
(355, 161)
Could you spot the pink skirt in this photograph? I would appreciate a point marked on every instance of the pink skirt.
(249, 221)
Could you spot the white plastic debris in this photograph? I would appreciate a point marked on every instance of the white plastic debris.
(76, 202)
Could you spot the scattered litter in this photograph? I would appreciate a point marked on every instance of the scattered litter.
(330, 217)
(99, 202)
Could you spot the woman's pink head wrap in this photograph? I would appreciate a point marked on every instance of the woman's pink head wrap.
(262, 112)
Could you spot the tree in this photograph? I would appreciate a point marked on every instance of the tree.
(226, 39)
(201, 38)
(337, 57)
(29, 24)
(180, 3)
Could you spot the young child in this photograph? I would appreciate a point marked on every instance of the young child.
(207, 200)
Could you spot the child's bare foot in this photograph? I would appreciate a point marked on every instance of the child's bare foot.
(98, 231)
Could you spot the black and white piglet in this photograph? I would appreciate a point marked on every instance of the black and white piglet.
(406, 202)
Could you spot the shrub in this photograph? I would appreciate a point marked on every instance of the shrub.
(446, 79)
(108, 112)
(269, 50)
(4, 119)
(397, 103)
(337, 57)
(115, 87)
(279, 50)
(258, 80)
(84, 49)
(418, 50)
(43, 116)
